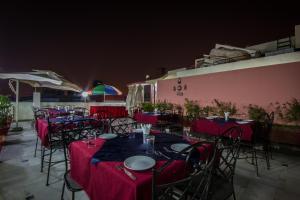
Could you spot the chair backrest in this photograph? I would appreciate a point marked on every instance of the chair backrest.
(39, 114)
(267, 125)
(123, 126)
(228, 149)
(81, 111)
(103, 121)
(71, 135)
(196, 182)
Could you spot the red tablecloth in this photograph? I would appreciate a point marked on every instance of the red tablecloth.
(212, 128)
(146, 118)
(115, 111)
(42, 131)
(104, 181)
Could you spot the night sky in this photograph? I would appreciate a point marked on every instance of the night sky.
(121, 43)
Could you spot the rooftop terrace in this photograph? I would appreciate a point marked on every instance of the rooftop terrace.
(20, 176)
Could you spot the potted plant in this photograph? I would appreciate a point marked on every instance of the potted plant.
(147, 107)
(5, 117)
(192, 111)
(256, 113)
(289, 133)
(164, 106)
(224, 107)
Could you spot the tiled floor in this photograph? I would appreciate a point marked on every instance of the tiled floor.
(20, 176)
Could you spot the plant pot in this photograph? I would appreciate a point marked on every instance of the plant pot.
(3, 133)
(286, 135)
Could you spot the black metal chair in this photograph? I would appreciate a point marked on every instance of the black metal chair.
(54, 144)
(38, 114)
(196, 183)
(55, 140)
(261, 141)
(103, 121)
(81, 111)
(228, 148)
(122, 126)
(69, 136)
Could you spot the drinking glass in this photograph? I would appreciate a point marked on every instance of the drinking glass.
(186, 132)
(131, 133)
(150, 139)
(167, 130)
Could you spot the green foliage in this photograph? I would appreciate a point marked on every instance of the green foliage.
(289, 111)
(207, 110)
(147, 107)
(177, 108)
(192, 109)
(256, 113)
(222, 107)
(164, 106)
(5, 111)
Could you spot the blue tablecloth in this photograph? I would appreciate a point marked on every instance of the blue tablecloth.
(221, 121)
(69, 119)
(120, 148)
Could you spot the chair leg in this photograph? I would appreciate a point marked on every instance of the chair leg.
(233, 194)
(42, 158)
(256, 165)
(63, 191)
(36, 144)
(49, 166)
(73, 195)
(252, 158)
(271, 151)
(267, 157)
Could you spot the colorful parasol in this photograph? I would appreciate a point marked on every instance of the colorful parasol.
(105, 90)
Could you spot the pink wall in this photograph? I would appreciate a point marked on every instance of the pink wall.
(260, 86)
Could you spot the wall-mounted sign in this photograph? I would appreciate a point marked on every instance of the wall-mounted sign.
(179, 87)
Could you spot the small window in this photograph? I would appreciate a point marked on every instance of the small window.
(147, 93)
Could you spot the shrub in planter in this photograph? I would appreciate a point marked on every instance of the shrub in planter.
(290, 111)
(192, 109)
(164, 106)
(5, 117)
(222, 107)
(208, 110)
(256, 113)
(147, 107)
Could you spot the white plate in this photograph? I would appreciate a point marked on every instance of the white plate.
(242, 122)
(179, 146)
(211, 117)
(139, 163)
(248, 120)
(108, 136)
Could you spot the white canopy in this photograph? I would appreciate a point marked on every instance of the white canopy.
(38, 78)
(42, 78)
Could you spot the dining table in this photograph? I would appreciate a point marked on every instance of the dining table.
(100, 169)
(215, 126)
(42, 125)
(114, 111)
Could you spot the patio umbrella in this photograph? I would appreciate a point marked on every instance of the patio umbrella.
(37, 78)
(104, 89)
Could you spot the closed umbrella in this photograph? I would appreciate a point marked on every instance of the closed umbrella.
(139, 96)
(130, 97)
